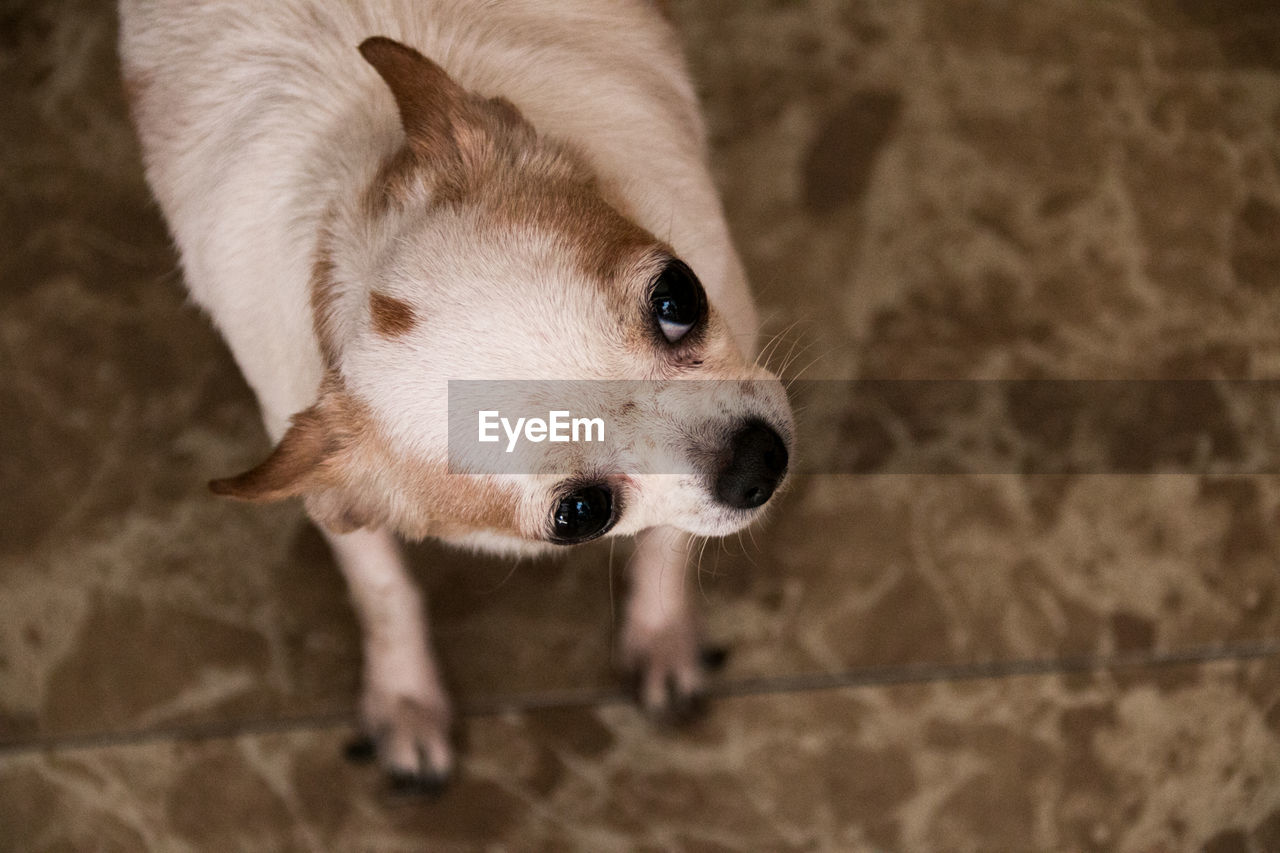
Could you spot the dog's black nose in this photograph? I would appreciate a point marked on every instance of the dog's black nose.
(757, 461)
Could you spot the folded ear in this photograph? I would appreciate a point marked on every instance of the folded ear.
(290, 469)
(316, 460)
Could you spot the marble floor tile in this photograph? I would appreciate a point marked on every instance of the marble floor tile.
(1131, 760)
(963, 190)
(921, 202)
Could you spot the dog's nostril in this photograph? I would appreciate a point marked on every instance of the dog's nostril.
(757, 461)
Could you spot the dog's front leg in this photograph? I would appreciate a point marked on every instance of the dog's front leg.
(661, 637)
(404, 707)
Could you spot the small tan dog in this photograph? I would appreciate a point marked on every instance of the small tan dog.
(365, 225)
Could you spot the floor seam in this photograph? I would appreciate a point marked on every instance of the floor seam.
(598, 697)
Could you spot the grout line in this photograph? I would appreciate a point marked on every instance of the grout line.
(923, 673)
(886, 675)
(591, 697)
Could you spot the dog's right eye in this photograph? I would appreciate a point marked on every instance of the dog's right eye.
(583, 514)
(677, 300)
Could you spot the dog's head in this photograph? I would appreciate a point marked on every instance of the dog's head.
(481, 250)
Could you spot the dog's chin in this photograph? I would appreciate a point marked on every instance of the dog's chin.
(719, 521)
(713, 523)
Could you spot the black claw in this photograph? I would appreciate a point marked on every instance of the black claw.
(686, 707)
(360, 750)
(682, 707)
(634, 683)
(428, 784)
(714, 657)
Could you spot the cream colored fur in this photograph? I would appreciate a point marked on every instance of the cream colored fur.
(263, 127)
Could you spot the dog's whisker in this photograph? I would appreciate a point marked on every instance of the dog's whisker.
(724, 547)
(702, 593)
(747, 554)
(751, 534)
(788, 332)
(613, 608)
(770, 350)
(515, 564)
(790, 357)
(789, 380)
(796, 351)
(762, 354)
(800, 373)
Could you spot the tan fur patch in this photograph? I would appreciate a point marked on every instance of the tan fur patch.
(419, 498)
(336, 459)
(397, 177)
(391, 317)
(324, 299)
(467, 503)
(602, 239)
(365, 481)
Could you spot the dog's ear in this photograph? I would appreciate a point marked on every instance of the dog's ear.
(427, 97)
(442, 121)
(311, 461)
(291, 467)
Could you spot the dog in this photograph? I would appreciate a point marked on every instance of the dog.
(373, 199)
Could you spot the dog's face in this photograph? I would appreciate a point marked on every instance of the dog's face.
(483, 252)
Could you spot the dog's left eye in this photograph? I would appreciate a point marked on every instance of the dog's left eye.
(677, 300)
(582, 514)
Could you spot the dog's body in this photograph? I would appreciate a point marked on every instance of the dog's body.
(333, 214)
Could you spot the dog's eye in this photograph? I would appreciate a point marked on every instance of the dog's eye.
(583, 514)
(677, 300)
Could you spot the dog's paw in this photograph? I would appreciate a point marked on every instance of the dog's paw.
(669, 668)
(410, 738)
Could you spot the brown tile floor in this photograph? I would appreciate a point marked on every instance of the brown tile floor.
(951, 189)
